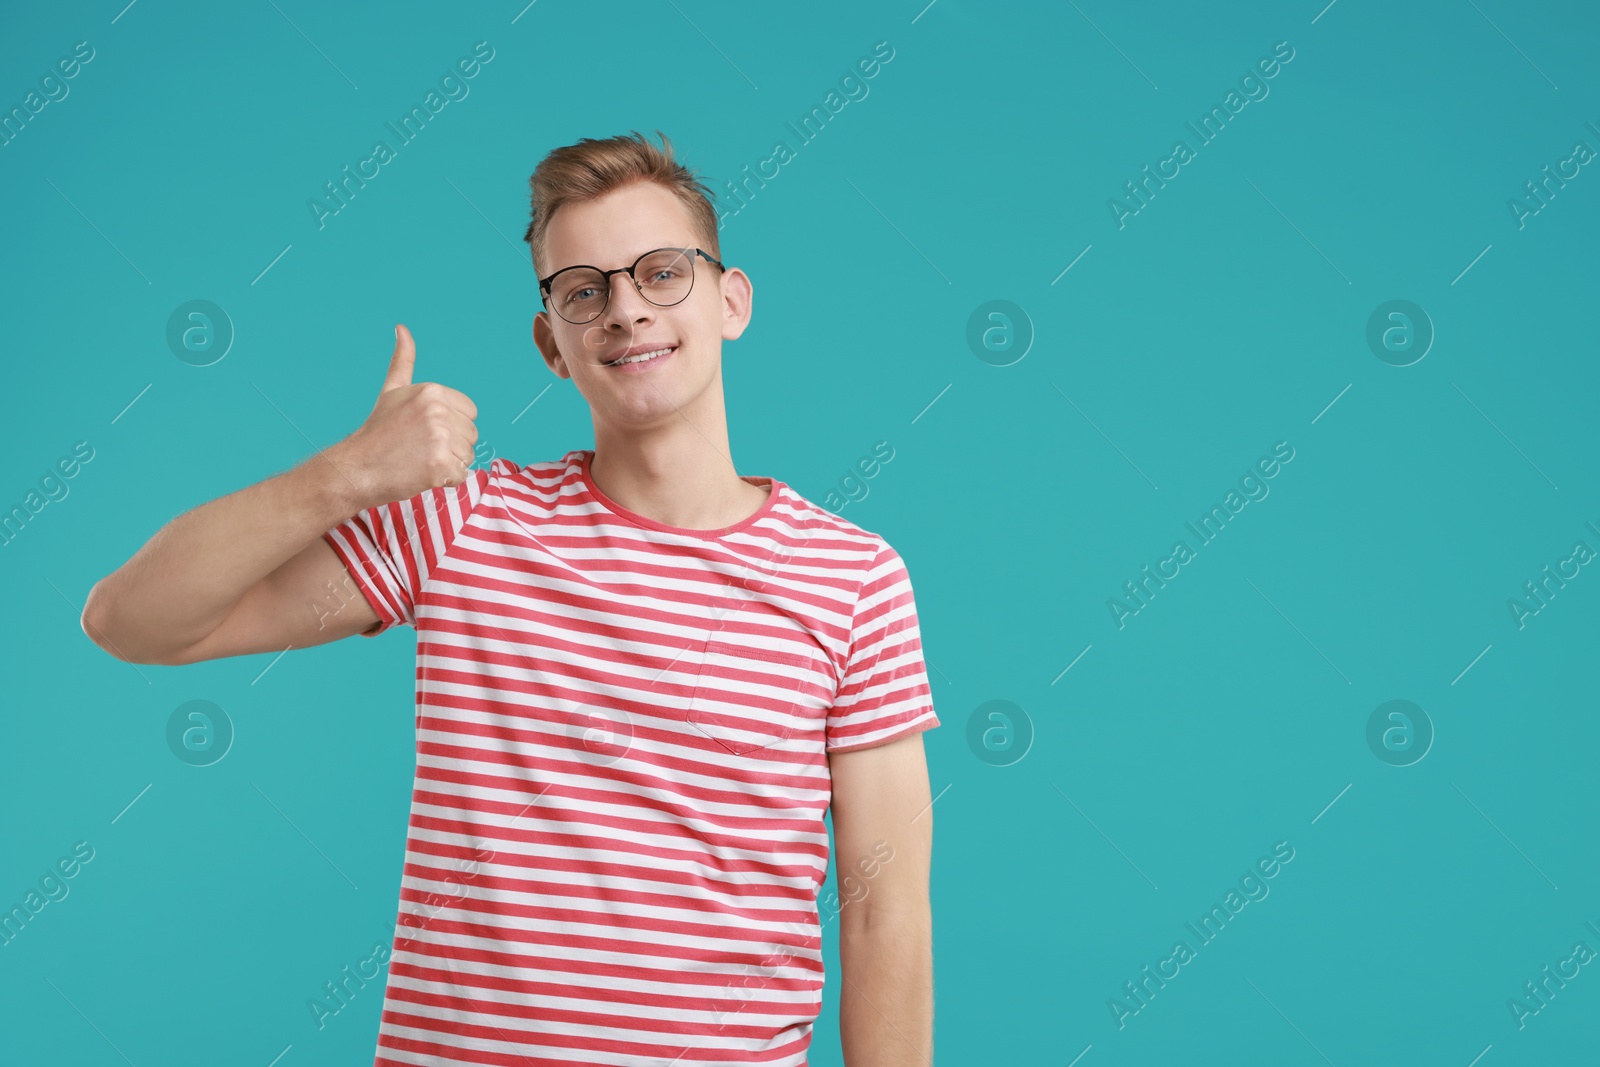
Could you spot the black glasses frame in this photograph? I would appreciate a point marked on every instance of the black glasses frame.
(605, 275)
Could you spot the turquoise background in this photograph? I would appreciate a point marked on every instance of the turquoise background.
(1230, 313)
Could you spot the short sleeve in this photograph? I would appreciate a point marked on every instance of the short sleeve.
(884, 694)
(391, 549)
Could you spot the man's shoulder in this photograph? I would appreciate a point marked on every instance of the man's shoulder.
(830, 532)
(540, 473)
(504, 465)
(526, 490)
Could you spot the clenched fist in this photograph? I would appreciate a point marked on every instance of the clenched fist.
(419, 436)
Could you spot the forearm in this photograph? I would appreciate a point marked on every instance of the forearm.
(180, 585)
(886, 998)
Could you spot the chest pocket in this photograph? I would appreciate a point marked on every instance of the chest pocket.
(749, 697)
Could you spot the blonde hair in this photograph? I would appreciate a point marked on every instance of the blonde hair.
(591, 168)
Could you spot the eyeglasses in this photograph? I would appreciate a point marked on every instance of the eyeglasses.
(663, 276)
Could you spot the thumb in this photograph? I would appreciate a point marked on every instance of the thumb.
(403, 360)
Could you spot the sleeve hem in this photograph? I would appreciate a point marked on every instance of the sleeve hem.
(386, 615)
(913, 726)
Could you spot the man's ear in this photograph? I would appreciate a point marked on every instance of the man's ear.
(544, 337)
(738, 295)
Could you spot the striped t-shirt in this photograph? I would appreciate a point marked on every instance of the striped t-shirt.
(616, 836)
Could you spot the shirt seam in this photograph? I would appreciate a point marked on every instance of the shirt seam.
(452, 538)
(923, 719)
(644, 522)
(850, 637)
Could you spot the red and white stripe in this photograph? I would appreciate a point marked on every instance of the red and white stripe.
(616, 834)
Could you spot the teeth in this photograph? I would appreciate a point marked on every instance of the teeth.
(642, 356)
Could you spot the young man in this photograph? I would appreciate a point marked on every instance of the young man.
(642, 678)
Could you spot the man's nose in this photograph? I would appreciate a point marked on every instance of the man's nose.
(625, 303)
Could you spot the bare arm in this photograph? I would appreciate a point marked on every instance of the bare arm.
(249, 572)
(883, 842)
(252, 549)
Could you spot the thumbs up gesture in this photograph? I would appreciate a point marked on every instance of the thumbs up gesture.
(420, 435)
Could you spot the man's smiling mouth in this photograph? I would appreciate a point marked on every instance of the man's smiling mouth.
(642, 354)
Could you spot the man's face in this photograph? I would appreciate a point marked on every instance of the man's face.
(611, 232)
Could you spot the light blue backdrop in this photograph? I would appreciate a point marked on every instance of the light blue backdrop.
(1041, 459)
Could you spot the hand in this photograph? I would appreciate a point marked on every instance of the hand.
(419, 436)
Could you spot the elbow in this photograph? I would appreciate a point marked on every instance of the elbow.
(99, 623)
(907, 917)
(96, 623)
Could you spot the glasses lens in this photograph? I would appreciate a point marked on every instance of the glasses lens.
(578, 294)
(665, 277)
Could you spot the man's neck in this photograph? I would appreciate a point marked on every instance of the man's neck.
(676, 477)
